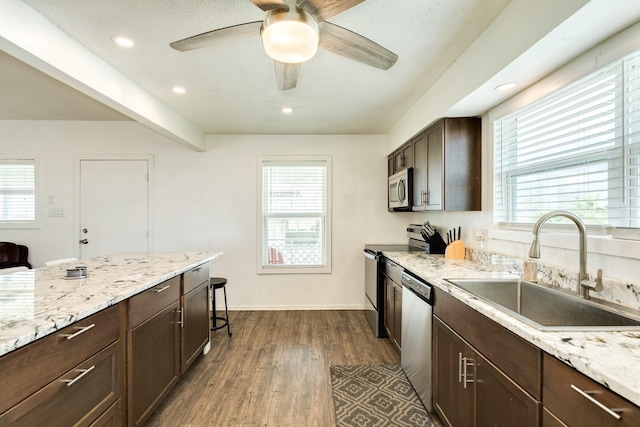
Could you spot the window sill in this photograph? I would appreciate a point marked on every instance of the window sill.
(279, 269)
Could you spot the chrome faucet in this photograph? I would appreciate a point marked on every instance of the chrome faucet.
(584, 284)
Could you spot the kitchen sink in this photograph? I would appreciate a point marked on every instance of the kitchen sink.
(550, 309)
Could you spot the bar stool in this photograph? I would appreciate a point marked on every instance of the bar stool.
(219, 283)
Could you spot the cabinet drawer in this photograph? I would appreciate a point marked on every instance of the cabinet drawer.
(576, 410)
(195, 277)
(28, 369)
(153, 300)
(76, 398)
(112, 417)
(513, 355)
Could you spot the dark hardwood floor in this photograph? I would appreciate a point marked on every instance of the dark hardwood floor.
(274, 371)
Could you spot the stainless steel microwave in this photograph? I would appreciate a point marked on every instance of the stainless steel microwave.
(401, 190)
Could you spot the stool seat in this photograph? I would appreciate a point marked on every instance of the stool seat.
(219, 283)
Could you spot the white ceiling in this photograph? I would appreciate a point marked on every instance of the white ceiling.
(232, 88)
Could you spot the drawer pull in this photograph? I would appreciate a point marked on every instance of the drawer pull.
(81, 331)
(587, 396)
(459, 367)
(195, 270)
(76, 379)
(161, 289)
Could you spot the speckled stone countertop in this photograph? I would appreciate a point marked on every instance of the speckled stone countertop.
(35, 303)
(610, 358)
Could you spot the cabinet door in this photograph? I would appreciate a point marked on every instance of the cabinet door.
(420, 172)
(579, 401)
(397, 315)
(434, 169)
(499, 401)
(403, 157)
(75, 399)
(452, 394)
(388, 307)
(154, 363)
(195, 327)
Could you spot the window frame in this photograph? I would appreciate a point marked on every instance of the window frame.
(36, 222)
(292, 269)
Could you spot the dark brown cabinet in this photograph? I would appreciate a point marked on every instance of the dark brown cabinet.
(452, 393)
(483, 374)
(447, 166)
(153, 348)
(67, 378)
(575, 400)
(393, 303)
(402, 158)
(195, 324)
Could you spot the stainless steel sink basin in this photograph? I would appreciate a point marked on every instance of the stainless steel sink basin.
(549, 309)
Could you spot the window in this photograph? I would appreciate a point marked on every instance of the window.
(17, 192)
(577, 149)
(295, 225)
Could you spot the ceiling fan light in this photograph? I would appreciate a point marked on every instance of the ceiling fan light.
(290, 37)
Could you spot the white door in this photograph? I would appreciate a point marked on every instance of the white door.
(113, 206)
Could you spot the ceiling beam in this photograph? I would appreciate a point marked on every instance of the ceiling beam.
(31, 38)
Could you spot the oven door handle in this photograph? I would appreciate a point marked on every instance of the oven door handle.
(370, 255)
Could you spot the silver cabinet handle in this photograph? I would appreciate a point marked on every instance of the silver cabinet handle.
(76, 379)
(460, 367)
(467, 362)
(181, 321)
(161, 289)
(586, 395)
(197, 269)
(81, 331)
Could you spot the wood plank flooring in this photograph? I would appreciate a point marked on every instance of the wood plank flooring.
(273, 371)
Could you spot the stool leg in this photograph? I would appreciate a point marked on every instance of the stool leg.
(226, 311)
(213, 306)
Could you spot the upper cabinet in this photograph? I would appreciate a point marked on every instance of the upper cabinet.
(401, 159)
(447, 166)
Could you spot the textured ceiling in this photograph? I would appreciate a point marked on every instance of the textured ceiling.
(231, 88)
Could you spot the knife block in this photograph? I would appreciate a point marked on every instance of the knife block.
(455, 250)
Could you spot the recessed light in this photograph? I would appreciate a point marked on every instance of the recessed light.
(122, 41)
(179, 90)
(287, 110)
(506, 86)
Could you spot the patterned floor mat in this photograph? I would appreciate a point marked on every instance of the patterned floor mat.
(375, 395)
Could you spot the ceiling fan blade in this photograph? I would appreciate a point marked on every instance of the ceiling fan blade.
(354, 46)
(325, 9)
(287, 75)
(270, 4)
(217, 36)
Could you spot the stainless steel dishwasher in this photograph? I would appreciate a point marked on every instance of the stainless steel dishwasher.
(416, 356)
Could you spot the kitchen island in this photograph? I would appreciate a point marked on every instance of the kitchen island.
(105, 348)
(609, 358)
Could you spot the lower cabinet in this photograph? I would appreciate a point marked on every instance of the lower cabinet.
(153, 348)
(470, 391)
(572, 399)
(393, 312)
(195, 324)
(76, 398)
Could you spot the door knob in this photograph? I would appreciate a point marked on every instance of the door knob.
(84, 241)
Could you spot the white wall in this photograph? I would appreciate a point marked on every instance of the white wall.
(207, 201)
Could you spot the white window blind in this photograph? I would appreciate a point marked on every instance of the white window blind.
(17, 190)
(577, 149)
(294, 214)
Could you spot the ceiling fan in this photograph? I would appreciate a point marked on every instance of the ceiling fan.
(292, 33)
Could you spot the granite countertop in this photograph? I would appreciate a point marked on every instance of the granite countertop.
(35, 303)
(610, 358)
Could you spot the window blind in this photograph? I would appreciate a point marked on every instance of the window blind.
(577, 149)
(17, 190)
(294, 214)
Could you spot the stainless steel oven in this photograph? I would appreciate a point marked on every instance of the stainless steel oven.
(374, 261)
